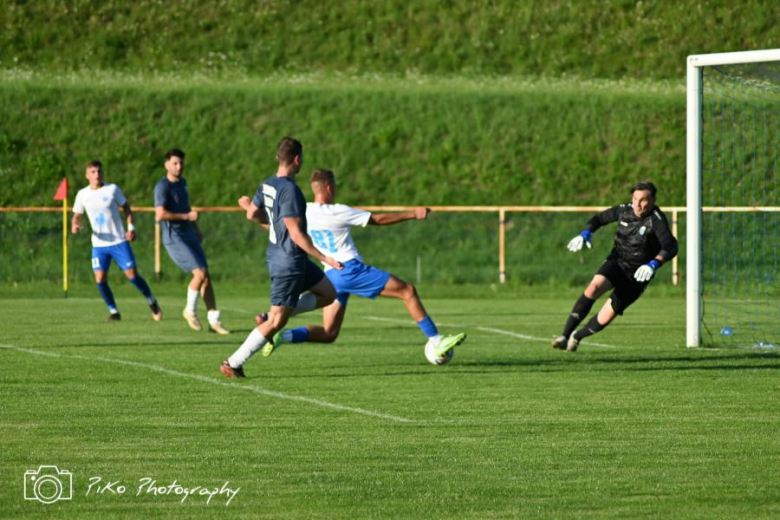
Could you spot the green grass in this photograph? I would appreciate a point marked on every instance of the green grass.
(433, 141)
(509, 429)
(577, 38)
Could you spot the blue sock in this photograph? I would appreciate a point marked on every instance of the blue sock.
(428, 327)
(108, 296)
(297, 335)
(142, 286)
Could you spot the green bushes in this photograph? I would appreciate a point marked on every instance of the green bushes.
(505, 37)
(454, 143)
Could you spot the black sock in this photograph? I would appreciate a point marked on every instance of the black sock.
(578, 313)
(591, 328)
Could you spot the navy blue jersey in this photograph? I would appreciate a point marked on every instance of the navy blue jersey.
(280, 197)
(637, 240)
(173, 196)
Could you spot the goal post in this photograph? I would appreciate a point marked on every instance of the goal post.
(764, 78)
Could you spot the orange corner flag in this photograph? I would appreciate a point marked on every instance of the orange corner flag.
(62, 190)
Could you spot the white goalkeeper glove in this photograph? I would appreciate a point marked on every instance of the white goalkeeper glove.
(583, 238)
(646, 272)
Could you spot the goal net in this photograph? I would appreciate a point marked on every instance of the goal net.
(733, 139)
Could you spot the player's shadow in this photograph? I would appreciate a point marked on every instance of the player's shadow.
(570, 361)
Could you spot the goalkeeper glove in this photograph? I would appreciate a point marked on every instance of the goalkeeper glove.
(646, 272)
(583, 238)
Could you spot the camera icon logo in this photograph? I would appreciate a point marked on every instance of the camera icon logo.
(48, 484)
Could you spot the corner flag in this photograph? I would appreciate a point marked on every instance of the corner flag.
(62, 190)
(62, 194)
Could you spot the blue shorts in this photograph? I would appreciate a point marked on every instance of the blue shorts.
(357, 278)
(122, 254)
(285, 289)
(187, 252)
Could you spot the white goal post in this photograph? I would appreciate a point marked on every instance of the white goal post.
(695, 66)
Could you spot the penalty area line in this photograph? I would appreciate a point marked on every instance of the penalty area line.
(488, 329)
(536, 338)
(204, 379)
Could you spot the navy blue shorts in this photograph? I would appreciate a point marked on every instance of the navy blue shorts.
(122, 254)
(187, 253)
(285, 289)
(357, 278)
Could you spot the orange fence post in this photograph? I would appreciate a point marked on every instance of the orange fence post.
(502, 245)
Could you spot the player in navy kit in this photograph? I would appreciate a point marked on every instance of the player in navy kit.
(181, 238)
(279, 204)
(643, 243)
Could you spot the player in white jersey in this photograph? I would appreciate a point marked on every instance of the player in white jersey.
(329, 226)
(101, 202)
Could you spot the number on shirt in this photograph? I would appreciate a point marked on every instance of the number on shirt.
(324, 240)
(269, 198)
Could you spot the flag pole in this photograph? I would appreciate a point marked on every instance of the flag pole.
(65, 245)
(62, 194)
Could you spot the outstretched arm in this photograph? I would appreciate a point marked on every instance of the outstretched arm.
(598, 220)
(385, 219)
(302, 240)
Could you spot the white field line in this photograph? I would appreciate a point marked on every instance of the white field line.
(204, 379)
(489, 329)
(536, 338)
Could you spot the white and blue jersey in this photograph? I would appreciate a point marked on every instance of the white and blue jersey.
(108, 234)
(329, 228)
(102, 208)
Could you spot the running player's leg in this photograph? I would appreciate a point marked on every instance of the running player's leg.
(256, 340)
(595, 289)
(190, 312)
(626, 292)
(101, 262)
(209, 298)
(322, 290)
(124, 257)
(596, 324)
(397, 288)
(285, 291)
(319, 291)
(332, 318)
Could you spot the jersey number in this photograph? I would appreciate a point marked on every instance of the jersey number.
(324, 240)
(269, 198)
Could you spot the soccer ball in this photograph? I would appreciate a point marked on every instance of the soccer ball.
(430, 353)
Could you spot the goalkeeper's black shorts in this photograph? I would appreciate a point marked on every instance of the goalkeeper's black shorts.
(626, 289)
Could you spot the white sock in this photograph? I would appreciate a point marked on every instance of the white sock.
(435, 339)
(252, 344)
(287, 336)
(307, 302)
(214, 316)
(192, 300)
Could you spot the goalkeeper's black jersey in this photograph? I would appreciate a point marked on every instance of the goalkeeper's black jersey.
(637, 240)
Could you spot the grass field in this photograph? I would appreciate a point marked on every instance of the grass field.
(637, 425)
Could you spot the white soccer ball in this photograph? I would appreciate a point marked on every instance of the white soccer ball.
(430, 354)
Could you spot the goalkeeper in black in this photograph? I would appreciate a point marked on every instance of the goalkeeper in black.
(643, 242)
